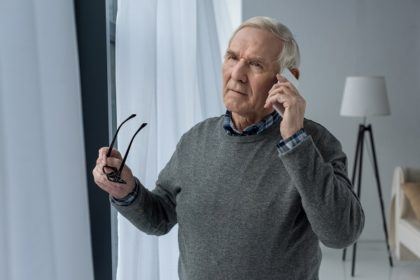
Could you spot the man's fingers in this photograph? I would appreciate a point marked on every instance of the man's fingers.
(114, 162)
(277, 98)
(285, 92)
(280, 78)
(102, 181)
(285, 83)
(111, 162)
(281, 88)
(114, 152)
(113, 188)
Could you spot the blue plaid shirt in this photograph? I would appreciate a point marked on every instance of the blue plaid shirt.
(283, 146)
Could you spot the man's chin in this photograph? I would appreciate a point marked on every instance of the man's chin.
(241, 108)
(234, 97)
(233, 107)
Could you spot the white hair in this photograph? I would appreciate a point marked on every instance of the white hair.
(289, 55)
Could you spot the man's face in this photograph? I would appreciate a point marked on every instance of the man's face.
(249, 71)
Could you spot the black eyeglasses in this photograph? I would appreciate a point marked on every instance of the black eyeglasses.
(115, 174)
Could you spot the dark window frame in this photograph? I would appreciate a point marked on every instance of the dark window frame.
(95, 26)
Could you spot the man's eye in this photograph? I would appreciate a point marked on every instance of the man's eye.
(231, 57)
(255, 64)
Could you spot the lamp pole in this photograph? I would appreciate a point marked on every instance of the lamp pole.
(358, 167)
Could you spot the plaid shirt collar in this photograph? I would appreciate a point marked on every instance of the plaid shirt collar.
(253, 129)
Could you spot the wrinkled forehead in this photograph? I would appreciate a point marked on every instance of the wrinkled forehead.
(255, 42)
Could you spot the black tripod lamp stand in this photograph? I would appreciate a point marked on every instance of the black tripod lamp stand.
(363, 97)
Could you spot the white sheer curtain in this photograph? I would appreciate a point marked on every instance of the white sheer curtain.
(168, 67)
(44, 222)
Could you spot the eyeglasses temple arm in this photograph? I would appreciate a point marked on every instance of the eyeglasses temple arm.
(129, 146)
(108, 154)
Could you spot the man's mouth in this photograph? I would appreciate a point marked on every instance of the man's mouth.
(237, 91)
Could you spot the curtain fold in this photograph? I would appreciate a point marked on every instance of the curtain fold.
(44, 217)
(168, 72)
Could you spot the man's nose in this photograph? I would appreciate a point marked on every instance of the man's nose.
(239, 71)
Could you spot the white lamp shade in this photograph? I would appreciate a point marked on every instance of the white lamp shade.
(365, 96)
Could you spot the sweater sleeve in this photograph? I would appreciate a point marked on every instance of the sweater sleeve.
(319, 172)
(154, 212)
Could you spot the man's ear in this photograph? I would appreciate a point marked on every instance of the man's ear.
(295, 73)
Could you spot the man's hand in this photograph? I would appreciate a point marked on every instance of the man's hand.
(292, 105)
(116, 190)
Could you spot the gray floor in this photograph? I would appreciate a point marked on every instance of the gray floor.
(371, 264)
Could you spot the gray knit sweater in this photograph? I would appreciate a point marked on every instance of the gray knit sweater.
(247, 212)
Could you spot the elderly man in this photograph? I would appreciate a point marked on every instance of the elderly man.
(253, 192)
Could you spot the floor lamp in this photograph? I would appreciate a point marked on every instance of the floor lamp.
(363, 97)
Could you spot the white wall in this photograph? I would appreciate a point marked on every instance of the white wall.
(343, 38)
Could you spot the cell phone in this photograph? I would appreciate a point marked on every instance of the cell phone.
(292, 79)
